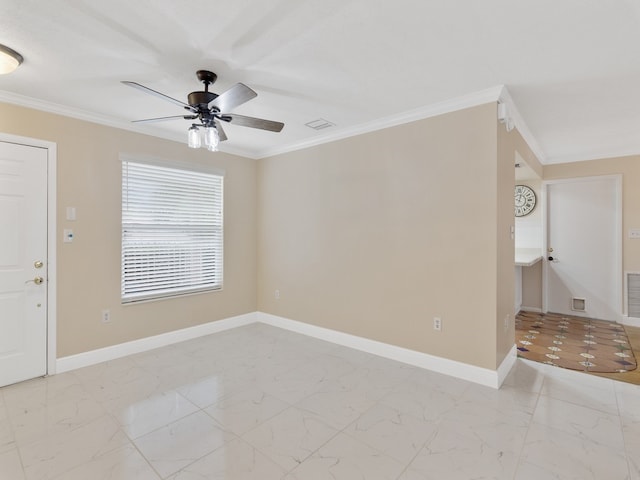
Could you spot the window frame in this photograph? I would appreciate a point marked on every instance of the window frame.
(128, 296)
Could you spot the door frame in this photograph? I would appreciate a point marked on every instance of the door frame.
(51, 284)
(617, 254)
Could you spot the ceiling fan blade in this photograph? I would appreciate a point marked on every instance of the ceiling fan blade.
(157, 94)
(236, 95)
(221, 134)
(253, 122)
(162, 119)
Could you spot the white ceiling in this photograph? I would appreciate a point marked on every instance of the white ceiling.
(572, 67)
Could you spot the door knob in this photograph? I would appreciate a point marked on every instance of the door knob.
(36, 280)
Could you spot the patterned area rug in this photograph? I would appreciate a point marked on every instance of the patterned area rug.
(577, 343)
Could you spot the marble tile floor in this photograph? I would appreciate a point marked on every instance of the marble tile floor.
(262, 403)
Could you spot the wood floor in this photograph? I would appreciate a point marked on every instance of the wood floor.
(535, 332)
(633, 376)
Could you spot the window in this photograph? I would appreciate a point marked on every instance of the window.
(172, 235)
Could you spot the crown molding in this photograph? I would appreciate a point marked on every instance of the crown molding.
(590, 156)
(57, 109)
(521, 125)
(497, 93)
(459, 103)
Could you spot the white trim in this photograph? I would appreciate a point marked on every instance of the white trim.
(520, 124)
(170, 163)
(464, 371)
(630, 321)
(587, 156)
(112, 352)
(447, 106)
(493, 94)
(52, 195)
(57, 109)
(506, 365)
(518, 288)
(52, 241)
(545, 245)
(617, 254)
(471, 373)
(530, 309)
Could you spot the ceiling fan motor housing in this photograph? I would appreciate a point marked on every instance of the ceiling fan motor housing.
(201, 99)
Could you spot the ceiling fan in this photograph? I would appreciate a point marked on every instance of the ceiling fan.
(210, 110)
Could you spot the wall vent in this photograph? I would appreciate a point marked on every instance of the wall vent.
(578, 304)
(633, 294)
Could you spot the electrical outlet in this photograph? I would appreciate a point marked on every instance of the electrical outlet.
(277, 294)
(106, 316)
(437, 324)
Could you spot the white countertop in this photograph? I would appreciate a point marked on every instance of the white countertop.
(525, 257)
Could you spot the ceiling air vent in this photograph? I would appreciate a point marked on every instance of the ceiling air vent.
(320, 124)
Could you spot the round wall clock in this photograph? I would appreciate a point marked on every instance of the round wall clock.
(525, 200)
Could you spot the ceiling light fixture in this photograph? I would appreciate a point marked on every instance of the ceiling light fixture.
(9, 60)
(193, 137)
(210, 139)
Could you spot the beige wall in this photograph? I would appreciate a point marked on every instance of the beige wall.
(629, 167)
(377, 234)
(510, 144)
(505, 254)
(89, 178)
(373, 235)
(532, 286)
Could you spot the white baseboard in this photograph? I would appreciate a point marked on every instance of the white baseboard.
(630, 321)
(112, 352)
(464, 371)
(531, 309)
(506, 365)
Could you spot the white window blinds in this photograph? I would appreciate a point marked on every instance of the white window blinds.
(172, 236)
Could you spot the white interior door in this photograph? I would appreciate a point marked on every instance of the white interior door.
(584, 242)
(23, 262)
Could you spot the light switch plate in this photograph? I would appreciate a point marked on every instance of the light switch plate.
(71, 213)
(634, 233)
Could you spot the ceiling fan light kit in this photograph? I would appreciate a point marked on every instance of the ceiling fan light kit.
(211, 138)
(9, 59)
(193, 137)
(211, 109)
